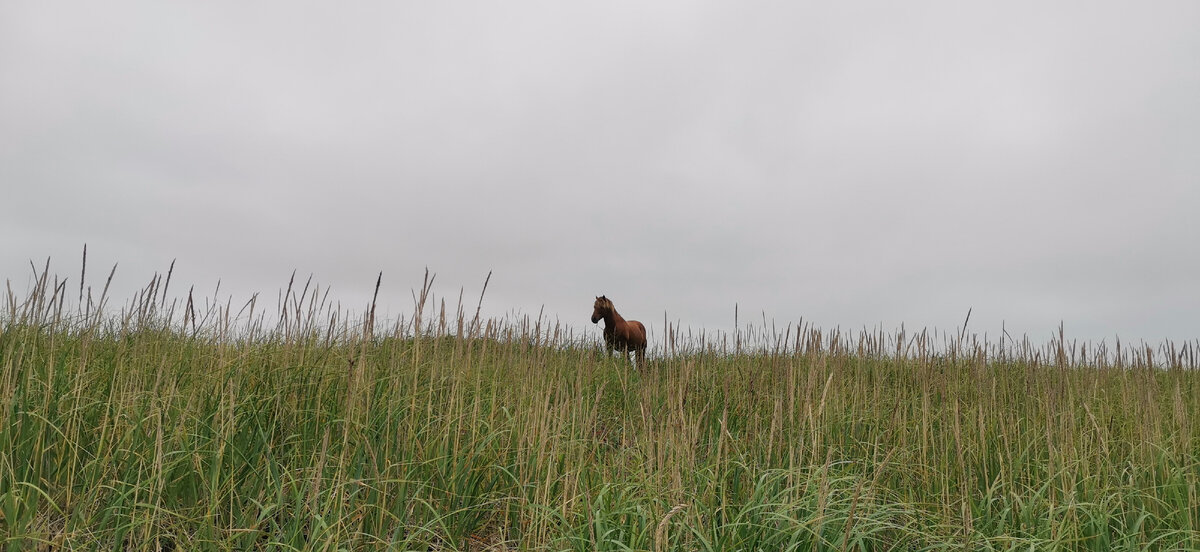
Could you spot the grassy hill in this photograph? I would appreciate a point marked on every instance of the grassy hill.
(155, 428)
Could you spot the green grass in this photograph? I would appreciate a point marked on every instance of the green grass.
(157, 428)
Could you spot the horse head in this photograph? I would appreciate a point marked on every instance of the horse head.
(601, 308)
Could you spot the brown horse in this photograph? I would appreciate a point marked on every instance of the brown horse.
(618, 333)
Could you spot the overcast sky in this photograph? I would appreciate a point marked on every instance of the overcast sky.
(866, 164)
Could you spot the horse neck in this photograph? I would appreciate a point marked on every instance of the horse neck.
(612, 319)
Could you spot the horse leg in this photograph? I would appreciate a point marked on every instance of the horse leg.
(625, 354)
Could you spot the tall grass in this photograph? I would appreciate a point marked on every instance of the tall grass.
(171, 425)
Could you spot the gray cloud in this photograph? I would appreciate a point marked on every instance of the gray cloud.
(853, 165)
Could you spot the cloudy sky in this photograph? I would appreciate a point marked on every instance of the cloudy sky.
(861, 165)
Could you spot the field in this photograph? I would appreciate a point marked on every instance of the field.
(166, 425)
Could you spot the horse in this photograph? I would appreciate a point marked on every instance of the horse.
(619, 333)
